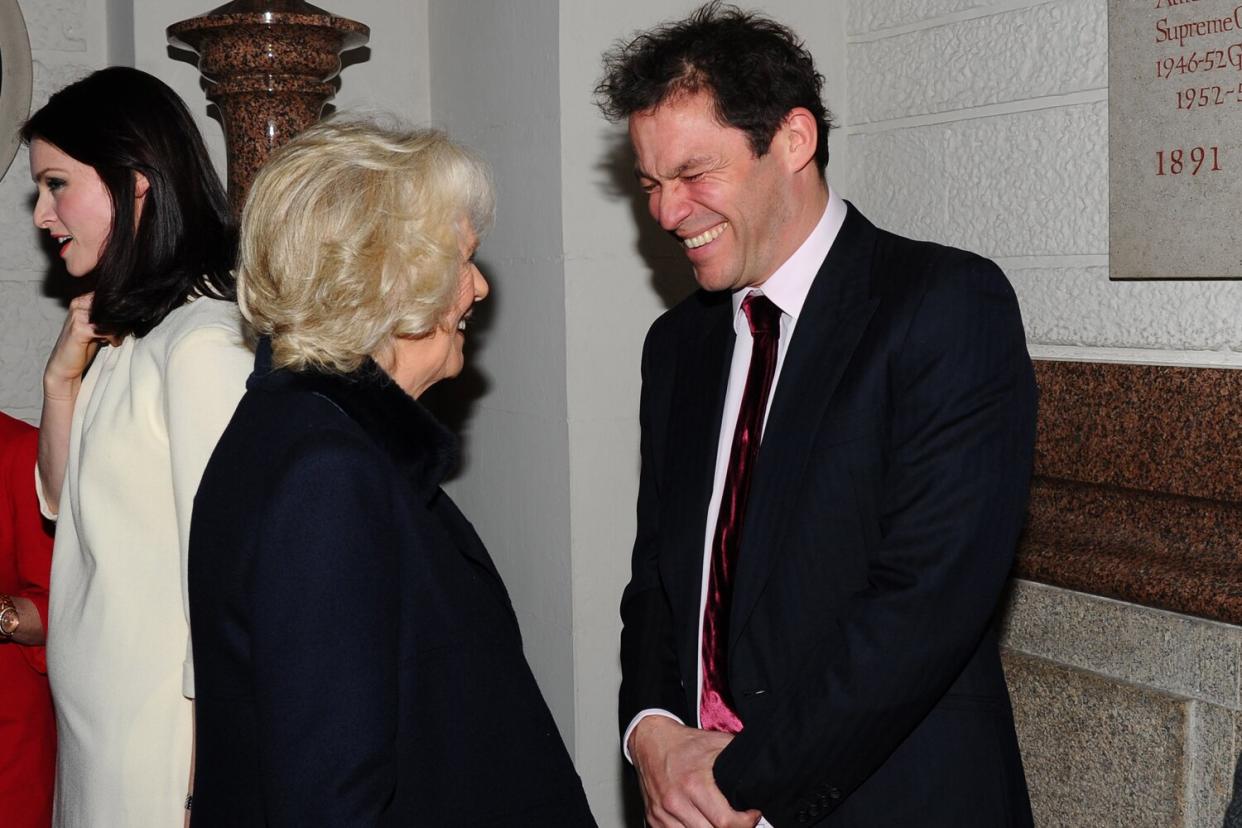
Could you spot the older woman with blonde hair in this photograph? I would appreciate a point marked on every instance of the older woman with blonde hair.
(357, 658)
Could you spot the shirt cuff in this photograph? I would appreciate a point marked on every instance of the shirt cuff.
(642, 714)
(43, 507)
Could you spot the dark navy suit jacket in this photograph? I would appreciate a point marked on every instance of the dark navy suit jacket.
(357, 659)
(886, 504)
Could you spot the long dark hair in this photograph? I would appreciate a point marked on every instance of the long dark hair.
(121, 121)
(756, 69)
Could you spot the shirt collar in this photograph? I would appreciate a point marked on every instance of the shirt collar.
(789, 285)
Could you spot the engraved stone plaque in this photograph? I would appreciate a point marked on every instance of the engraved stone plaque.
(1175, 139)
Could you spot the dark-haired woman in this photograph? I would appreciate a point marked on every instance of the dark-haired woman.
(144, 377)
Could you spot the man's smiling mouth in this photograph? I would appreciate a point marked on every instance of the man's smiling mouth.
(706, 236)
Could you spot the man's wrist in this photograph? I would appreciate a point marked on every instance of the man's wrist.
(628, 736)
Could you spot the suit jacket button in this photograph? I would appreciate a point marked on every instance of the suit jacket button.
(833, 793)
(814, 810)
(802, 816)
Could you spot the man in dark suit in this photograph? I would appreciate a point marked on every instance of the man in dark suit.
(837, 437)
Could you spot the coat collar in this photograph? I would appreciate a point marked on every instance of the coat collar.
(420, 446)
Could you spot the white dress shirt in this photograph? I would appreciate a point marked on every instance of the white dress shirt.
(787, 288)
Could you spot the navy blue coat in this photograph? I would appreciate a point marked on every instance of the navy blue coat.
(883, 515)
(357, 660)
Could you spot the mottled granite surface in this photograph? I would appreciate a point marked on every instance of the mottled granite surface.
(1155, 428)
(1138, 486)
(1097, 752)
(1087, 673)
(269, 66)
(1180, 655)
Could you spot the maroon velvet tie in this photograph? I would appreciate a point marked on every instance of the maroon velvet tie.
(716, 710)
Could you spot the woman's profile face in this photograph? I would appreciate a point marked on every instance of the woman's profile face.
(73, 206)
(419, 363)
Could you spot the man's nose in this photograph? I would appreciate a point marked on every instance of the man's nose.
(670, 207)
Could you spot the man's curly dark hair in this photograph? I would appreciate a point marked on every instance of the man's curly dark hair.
(756, 70)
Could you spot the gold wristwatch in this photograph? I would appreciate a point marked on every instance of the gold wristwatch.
(9, 619)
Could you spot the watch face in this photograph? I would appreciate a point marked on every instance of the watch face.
(8, 621)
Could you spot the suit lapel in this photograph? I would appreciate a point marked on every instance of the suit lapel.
(836, 313)
(693, 434)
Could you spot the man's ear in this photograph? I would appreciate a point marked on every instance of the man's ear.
(799, 134)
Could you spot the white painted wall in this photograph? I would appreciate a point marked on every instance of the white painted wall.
(68, 40)
(985, 125)
(494, 86)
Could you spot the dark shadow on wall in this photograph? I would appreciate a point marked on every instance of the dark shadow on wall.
(671, 277)
(453, 401)
(181, 55)
(669, 270)
(352, 58)
(186, 56)
(1233, 818)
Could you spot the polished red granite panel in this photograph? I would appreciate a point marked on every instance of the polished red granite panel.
(1174, 553)
(1138, 488)
(1158, 428)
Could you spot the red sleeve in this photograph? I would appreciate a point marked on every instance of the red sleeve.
(32, 542)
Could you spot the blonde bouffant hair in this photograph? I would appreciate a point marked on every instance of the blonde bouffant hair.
(352, 235)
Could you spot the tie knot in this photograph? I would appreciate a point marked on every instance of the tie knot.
(762, 314)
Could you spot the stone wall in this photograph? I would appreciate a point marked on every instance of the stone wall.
(985, 125)
(66, 43)
(1128, 716)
